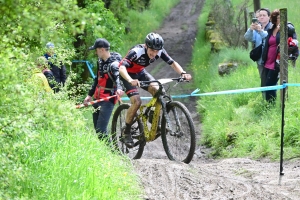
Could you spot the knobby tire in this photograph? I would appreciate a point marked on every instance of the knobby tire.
(181, 143)
(117, 130)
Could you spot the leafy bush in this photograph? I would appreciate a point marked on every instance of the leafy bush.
(47, 151)
(35, 127)
(230, 21)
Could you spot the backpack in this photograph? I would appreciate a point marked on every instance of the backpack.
(116, 57)
(255, 53)
(291, 30)
(293, 48)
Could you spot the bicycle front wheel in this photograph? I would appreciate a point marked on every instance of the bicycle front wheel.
(117, 131)
(179, 138)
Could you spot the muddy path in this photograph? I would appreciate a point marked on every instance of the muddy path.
(204, 178)
(226, 179)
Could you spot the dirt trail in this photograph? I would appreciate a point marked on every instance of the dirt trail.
(226, 179)
(204, 178)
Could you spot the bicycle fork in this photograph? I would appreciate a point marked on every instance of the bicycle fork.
(173, 131)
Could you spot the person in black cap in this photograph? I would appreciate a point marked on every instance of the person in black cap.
(106, 84)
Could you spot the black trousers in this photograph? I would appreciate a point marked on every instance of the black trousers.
(270, 79)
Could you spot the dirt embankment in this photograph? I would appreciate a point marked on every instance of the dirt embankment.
(205, 178)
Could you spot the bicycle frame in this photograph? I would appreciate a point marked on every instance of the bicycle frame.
(177, 130)
(158, 102)
(150, 135)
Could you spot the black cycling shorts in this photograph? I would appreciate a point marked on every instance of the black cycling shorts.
(141, 76)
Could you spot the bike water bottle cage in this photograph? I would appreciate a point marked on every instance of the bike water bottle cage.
(151, 112)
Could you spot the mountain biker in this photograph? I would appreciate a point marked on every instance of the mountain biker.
(106, 84)
(132, 70)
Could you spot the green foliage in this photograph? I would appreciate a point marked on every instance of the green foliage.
(230, 20)
(122, 8)
(141, 23)
(47, 151)
(104, 25)
(243, 125)
(200, 63)
(63, 23)
(47, 21)
(45, 143)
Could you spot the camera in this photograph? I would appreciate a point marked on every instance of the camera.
(254, 20)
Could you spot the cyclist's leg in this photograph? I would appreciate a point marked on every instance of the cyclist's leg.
(133, 94)
(135, 99)
(145, 76)
(135, 105)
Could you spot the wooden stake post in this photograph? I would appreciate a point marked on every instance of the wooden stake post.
(283, 51)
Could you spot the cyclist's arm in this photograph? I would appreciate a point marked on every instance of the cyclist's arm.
(124, 73)
(175, 65)
(177, 68)
(126, 62)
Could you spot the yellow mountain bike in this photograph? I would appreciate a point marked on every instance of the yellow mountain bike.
(161, 116)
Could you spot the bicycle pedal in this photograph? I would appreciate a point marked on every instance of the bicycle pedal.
(140, 142)
(130, 145)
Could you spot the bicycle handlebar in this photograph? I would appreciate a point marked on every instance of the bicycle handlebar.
(163, 81)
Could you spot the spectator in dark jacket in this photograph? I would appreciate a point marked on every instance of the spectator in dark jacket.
(59, 72)
(270, 56)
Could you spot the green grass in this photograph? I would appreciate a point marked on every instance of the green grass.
(77, 167)
(147, 21)
(243, 125)
(49, 149)
(52, 152)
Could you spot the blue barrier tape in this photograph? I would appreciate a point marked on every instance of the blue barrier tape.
(143, 98)
(195, 91)
(88, 64)
(257, 89)
(148, 98)
(292, 84)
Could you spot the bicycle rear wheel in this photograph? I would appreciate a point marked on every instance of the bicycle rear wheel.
(117, 131)
(179, 139)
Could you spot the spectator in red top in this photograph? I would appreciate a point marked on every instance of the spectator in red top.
(106, 84)
(132, 70)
